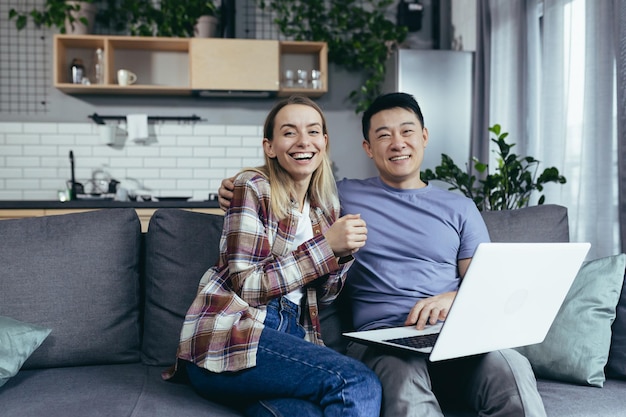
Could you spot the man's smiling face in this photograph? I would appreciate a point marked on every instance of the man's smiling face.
(396, 145)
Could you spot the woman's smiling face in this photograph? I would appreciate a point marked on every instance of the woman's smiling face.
(299, 142)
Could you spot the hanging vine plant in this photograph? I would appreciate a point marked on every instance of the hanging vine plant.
(359, 36)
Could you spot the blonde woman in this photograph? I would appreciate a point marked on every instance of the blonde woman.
(251, 338)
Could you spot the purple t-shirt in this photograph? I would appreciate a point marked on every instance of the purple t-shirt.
(414, 240)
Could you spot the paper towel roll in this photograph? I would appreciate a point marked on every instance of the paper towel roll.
(137, 127)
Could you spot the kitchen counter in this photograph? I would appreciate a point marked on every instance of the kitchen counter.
(101, 203)
(17, 209)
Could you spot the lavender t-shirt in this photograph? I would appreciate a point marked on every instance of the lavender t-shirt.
(414, 240)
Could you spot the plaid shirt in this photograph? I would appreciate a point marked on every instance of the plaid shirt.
(222, 327)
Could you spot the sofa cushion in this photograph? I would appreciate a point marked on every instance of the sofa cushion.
(545, 223)
(17, 342)
(616, 367)
(119, 390)
(576, 348)
(77, 274)
(180, 247)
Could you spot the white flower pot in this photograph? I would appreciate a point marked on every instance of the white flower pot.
(206, 27)
(87, 10)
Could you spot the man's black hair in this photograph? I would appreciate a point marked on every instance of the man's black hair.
(390, 101)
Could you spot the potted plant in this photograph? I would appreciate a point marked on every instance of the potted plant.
(171, 18)
(67, 16)
(180, 18)
(509, 187)
(358, 34)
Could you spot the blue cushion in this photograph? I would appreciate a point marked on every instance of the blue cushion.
(17, 342)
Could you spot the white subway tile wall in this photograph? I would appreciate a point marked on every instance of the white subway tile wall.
(187, 160)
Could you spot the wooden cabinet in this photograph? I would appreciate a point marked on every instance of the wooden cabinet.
(183, 66)
(234, 64)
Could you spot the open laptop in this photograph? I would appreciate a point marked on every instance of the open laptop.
(509, 297)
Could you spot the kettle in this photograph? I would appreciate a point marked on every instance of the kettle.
(113, 185)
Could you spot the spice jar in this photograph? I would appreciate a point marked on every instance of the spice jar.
(77, 71)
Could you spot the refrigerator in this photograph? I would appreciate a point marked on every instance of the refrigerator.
(441, 82)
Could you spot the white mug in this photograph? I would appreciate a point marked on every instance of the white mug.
(126, 77)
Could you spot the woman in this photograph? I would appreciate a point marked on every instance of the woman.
(251, 338)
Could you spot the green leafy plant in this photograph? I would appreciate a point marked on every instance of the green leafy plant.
(359, 36)
(511, 185)
(54, 13)
(178, 18)
(170, 18)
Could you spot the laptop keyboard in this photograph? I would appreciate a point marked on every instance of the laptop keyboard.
(418, 341)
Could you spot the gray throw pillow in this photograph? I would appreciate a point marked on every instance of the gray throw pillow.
(576, 348)
(180, 247)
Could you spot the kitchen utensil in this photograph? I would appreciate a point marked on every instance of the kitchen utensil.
(73, 183)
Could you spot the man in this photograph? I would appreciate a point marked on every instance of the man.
(420, 243)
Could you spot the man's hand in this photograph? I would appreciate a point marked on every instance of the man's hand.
(347, 235)
(430, 310)
(225, 193)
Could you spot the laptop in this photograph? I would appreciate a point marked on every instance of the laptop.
(509, 297)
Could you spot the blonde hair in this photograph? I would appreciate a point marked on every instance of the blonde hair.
(322, 189)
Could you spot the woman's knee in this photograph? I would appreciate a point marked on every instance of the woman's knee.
(357, 374)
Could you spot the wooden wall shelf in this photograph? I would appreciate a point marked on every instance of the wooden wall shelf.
(182, 66)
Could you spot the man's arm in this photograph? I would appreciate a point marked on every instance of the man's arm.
(225, 193)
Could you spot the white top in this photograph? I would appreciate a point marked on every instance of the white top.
(303, 233)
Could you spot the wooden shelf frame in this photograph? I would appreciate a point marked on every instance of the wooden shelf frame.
(165, 66)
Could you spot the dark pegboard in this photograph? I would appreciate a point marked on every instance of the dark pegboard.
(25, 64)
(254, 22)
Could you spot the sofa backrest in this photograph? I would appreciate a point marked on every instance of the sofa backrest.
(180, 247)
(545, 223)
(77, 274)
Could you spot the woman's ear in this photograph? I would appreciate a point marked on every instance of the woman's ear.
(268, 148)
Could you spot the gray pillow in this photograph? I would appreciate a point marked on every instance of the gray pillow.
(576, 348)
(545, 223)
(77, 274)
(180, 247)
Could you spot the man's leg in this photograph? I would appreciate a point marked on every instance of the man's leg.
(496, 384)
(407, 389)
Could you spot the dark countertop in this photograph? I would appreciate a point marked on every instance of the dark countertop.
(99, 203)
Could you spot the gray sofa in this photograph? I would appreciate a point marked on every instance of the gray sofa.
(113, 300)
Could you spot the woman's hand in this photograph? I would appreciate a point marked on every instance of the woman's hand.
(347, 235)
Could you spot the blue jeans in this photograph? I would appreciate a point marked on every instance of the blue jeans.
(293, 377)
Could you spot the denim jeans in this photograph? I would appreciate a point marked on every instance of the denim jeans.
(293, 377)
